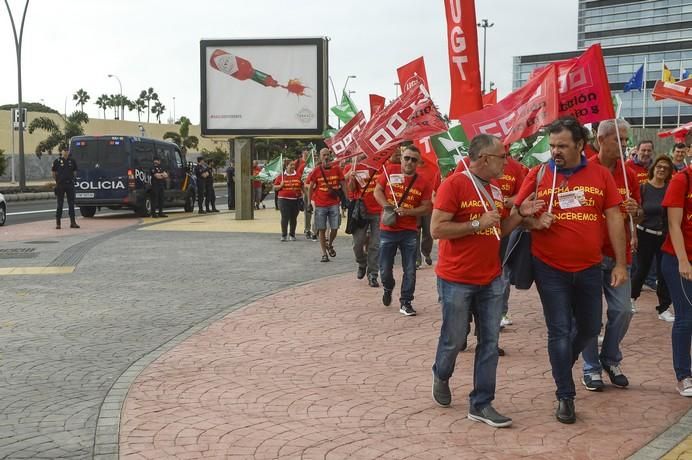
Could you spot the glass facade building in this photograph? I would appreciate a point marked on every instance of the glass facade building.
(631, 33)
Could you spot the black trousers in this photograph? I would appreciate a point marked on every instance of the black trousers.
(648, 249)
(231, 195)
(210, 195)
(289, 216)
(62, 190)
(201, 196)
(157, 199)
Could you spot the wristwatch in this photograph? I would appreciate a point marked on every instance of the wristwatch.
(475, 224)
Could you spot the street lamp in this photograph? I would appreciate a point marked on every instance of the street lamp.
(18, 50)
(173, 109)
(396, 88)
(121, 93)
(346, 83)
(485, 25)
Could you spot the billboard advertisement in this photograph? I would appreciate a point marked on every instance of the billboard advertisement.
(264, 87)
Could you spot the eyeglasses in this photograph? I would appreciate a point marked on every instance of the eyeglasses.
(411, 159)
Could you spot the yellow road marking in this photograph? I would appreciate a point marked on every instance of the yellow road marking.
(13, 271)
(682, 451)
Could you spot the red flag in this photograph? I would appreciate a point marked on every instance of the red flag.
(376, 104)
(584, 88)
(463, 58)
(678, 133)
(665, 90)
(428, 169)
(411, 116)
(521, 113)
(413, 74)
(685, 83)
(343, 144)
(490, 98)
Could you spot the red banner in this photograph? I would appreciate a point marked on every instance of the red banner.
(686, 83)
(679, 133)
(343, 144)
(464, 68)
(665, 90)
(521, 113)
(376, 104)
(413, 74)
(584, 88)
(490, 98)
(411, 116)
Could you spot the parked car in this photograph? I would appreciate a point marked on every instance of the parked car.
(3, 210)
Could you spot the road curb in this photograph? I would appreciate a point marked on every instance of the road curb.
(28, 196)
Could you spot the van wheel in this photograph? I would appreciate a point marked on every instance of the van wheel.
(145, 209)
(87, 211)
(3, 215)
(189, 204)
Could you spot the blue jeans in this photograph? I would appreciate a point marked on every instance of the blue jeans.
(568, 298)
(619, 313)
(457, 302)
(681, 293)
(405, 241)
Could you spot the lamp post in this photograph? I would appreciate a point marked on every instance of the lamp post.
(396, 88)
(110, 75)
(173, 109)
(485, 25)
(346, 83)
(18, 50)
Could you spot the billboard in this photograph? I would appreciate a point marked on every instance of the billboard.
(264, 87)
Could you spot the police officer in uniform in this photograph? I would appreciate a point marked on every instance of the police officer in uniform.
(64, 169)
(211, 194)
(158, 186)
(202, 173)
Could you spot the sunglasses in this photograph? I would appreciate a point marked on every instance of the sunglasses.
(411, 159)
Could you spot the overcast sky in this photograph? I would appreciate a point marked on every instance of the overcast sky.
(72, 44)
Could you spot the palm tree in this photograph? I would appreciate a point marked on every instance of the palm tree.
(81, 97)
(140, 105)
(182, 138)
(102, 103)
(57, 137)
(130, 104)
(158, 110)
(148, 95)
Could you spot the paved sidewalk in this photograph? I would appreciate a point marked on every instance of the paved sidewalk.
(302, 375)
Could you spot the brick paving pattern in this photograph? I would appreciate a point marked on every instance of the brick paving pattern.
(303, 375)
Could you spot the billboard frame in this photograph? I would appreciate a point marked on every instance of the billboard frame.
(321, 44)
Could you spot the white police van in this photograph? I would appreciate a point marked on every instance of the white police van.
(113, 172)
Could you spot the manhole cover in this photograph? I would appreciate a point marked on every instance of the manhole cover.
(18, 253)
(40, 242)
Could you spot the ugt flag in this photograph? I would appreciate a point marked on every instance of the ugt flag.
(450, 147)
(413, 74)
(271, 170)
(343, 144)
(636, 82)
(346, 109)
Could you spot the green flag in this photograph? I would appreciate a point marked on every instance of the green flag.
(449, 148)
(539, 153)
(329, 132)
(271, 170)
(309, 165)
(346, 110)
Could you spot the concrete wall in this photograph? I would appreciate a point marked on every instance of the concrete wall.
(38, 169)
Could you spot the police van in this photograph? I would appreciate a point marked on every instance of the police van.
(113, 172)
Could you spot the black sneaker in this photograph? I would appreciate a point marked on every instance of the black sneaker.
(387, 298)
(617, 378)
(440, 391)
(407, 309)
(490, 416)
(372, 282)
(314, 237)
(325, 258)
(593, 381)
(308, 235)
(361, 273)
(428, 260)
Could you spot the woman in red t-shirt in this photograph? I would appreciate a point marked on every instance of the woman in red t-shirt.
(289, 188)
(675, 264)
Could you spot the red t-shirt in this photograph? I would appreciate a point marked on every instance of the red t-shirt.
(293, 186)
(460, 166)
(640, 171)
(512, 177)
(322, 195)
(634, 193)
(256, 183)
(589, 151)
(472, 259)
(371, 204)
(421, 190)
(574, 241)
(679, 195)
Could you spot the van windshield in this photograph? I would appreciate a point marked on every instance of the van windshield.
(100, 153)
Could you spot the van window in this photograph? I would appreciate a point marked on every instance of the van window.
(166, 155)
(99, 153)
(142, 155)
(178, 158)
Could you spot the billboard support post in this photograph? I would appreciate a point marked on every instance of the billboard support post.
(243, 148)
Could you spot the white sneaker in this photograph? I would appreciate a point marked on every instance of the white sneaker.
(684, 387)
(667, 316)
(505, 321)
(634, 306)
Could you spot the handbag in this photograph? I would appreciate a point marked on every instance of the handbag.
(389, 216)
(357, 216)
(301, 204)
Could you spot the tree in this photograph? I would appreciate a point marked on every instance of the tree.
(182, 138)
(35, 107)
(102, 103)
(81, 97)
(215, 158)
(148, 95)
(57, 137)
(140, 105)
(158, 110)
(113, 104)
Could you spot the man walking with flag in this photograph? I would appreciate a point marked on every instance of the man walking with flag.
(469, 217)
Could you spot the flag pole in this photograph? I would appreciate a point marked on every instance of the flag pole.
(679, 104)
(663, 74)
(644, 98)
(473, 181)
(552, 190)
(390, 186)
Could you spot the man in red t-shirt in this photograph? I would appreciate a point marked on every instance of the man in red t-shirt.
(469, 217)
(640, 162)
(407, 196)
(566, 244)
(675, 265)
(366, 238)
(324, 184)
(617, 298)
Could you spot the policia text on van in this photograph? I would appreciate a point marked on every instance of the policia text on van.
(114, 173)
